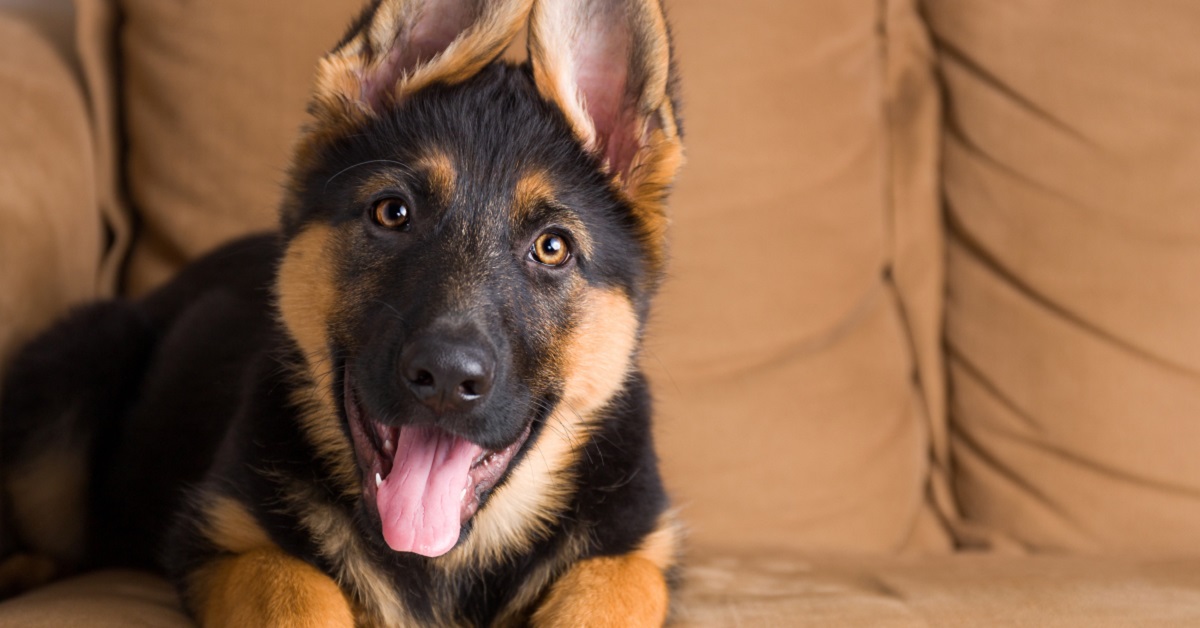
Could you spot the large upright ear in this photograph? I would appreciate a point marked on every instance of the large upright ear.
(396, 47)
(607, 65)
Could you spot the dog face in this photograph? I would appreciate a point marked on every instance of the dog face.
(471, 247)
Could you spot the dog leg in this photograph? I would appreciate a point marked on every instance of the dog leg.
(606, 591)
(267, 588)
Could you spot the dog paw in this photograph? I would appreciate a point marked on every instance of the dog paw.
(614, 591)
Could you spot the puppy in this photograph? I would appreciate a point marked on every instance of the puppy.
(419, 403)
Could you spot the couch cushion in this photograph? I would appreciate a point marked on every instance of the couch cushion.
(50, 234)
(961, 590)
(795, 349)
(95, 22)
(98, 600)
(795, 352)
(1072, 176)
(781, 589)
(213, 94)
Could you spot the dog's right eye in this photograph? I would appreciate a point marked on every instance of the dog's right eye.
(391, 213)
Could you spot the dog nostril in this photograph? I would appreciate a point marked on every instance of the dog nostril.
(447, 375)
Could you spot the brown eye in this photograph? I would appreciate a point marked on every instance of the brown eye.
(550, 249)
(391, 213)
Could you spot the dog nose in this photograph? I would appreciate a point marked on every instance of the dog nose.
(447, 375)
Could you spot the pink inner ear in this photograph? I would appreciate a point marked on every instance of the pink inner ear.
(601, 66)
(624, 139)
(438, 24)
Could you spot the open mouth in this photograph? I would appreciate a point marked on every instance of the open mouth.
(425, 482)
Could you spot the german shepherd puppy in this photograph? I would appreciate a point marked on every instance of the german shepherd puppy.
(419, 404)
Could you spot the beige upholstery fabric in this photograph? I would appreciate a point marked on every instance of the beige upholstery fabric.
(213, 96)
(50, 233)
(796, 350)
(723, 590)
(96, 34)
(805, 281)
(1072, 177)
(98, 600)
(950, 591)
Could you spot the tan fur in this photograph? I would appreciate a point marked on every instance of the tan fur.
(622, 591)
(662, 546)
(551, 41)
(230, 526)
(498, 23)
(337, 540)
(336, 92)
(376, 184)
(434, 164)
(600, 352)
(306, 293)
(440, 172)
(532, 189)
(48, 497)
(653, 172)
(266, 588)
(340, 74)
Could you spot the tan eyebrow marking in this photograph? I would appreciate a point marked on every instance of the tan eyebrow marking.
(435, 166)
(532, 189)
(535, 190)
(439, 170)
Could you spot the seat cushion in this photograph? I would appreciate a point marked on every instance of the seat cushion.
(960, 590)
(99, 600)
(781, 589)
(1072, 181)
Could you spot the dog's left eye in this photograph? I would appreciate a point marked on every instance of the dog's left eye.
(550, 249)
(391, 213)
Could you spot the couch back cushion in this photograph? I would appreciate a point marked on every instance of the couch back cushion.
(50, 232)
(805, 280)
(213, 94)
(1072, 176)
(795, 350)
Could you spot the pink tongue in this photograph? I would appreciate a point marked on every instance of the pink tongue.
(420, 502)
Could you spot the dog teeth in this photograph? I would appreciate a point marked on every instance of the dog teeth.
(388, 446)
(463, 495)
(378, 479)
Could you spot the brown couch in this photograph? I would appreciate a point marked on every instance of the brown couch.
(930, 351)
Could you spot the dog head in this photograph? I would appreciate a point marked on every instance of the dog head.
(471, 246)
